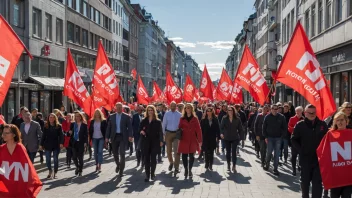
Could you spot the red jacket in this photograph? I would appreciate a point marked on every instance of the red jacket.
(292, 123)
(191, 136)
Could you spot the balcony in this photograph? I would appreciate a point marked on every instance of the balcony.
(272, 24)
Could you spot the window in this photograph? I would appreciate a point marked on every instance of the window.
(85, 9)
(92, 41)
(69, 3)
(284, 31)
(78, 5)
(37, 22)
(113, 26)
(85, 38)
(59, 31)
(96, 41)
(48, 29)
(313, 20)
(288, 27)
(97, 17)
(18, 13)
(320, 16)
(292, 20)
(77, 34)
(328, 14)
(92, 13)
(338, 11)
(106, 22)
(70, 32)
(119, 10)
(306, 23)
(350, 7)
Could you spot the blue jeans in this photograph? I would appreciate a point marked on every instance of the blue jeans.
(98, 146)
(274, 144)
(31, 156)
(284, 146)
(56, 159)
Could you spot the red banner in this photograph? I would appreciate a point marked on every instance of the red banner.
(335, 160)
(236, 95)
(189, 91)
(250, 78)
(142, 94)
(10, 51)
(106, 87)
(134, 73)
(224, 88)
(172, 93)
(18, 177)
(158, 95)
(206, 85)
(74, 87)
(301, 71)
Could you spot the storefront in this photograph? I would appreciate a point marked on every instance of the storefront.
(337, 68)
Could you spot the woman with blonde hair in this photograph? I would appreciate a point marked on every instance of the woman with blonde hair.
(191, 138)
(59, 115)
(151, 140)
(336, 132)
(97, 129)
(52, 141)
(79, 140)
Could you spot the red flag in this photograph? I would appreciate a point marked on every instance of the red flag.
(249, 77)
(206, 85)
(142, 94)
(334, 155)
(189, 91)
(224, 89)
(74, 87)
(301, 71)
(196, 95)
(213, 90)
(10, 51)
(236, 95)
(17, 174)
(173, 93)
(106, 87)
(134, 73)
(158, 95)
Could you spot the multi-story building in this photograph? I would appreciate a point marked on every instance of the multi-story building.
(232, 62)
(180, 67)
(192, 69)
(152, 49)
(328, 25)
(171, 58)
(37, 83)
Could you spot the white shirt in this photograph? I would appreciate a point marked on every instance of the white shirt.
(97, 132)
(26, 127)
(171, 121)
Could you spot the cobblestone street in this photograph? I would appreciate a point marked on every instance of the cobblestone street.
(250, 181)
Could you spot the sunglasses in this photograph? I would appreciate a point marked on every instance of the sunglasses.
(311, 113)
(209, 111)
(275, 109)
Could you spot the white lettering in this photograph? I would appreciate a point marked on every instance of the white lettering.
(6, 170)
(345, 152)
(4, 66)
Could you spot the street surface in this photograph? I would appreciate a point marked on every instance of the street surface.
(250, 181)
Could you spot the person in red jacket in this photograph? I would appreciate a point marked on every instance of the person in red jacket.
(337, 178)
(291, 125)
(191, 139)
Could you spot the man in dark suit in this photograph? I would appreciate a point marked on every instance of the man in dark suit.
(136, 120)
(120, 132)
(31, 134)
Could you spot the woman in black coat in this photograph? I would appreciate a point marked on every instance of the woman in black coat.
(210, 133)
(52, 141)
(152, 139)
(79, 140)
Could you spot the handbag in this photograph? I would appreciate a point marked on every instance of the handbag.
(179, 134)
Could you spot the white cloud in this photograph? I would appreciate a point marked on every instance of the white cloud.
(215, 65)
(185, 44)
(198, 53)
(219, 45)
(176, 39)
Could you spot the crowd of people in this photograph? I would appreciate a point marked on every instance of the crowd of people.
(179, 131)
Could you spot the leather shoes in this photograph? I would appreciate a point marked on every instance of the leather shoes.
(153, 177)
(117, 169)
(171, 166)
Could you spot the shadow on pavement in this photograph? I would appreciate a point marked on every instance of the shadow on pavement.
(212, 177)
(287, 179)
(174, 184)
(106, 187)
(238, 178)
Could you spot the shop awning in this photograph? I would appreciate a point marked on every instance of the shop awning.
(50, 83)
(30, 86)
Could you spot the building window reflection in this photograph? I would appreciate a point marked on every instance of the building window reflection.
(45, 103)
(34, 100)
(10, 104)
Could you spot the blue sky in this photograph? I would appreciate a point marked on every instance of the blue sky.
(205, 29)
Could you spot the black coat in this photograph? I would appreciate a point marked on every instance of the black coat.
(52, 138)
(82, 136)
(154, 135)
(210, 133)
(103, 126)
(306, 138)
